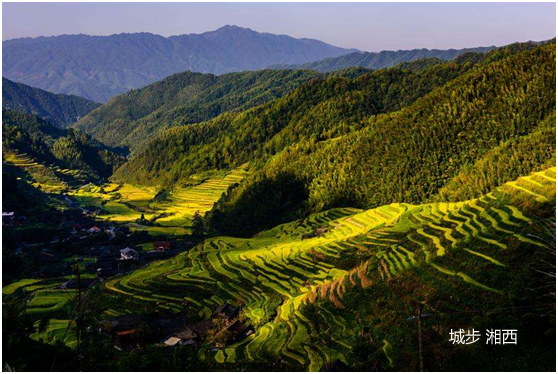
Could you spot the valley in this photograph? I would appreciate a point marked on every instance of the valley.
(285, 220)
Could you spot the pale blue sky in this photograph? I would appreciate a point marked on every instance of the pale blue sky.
(367, 26)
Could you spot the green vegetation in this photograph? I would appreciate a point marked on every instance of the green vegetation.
(66, 149)
(182, 99)
(58, 109)
(157, 212)
(331, 208)
(317, 111)
(299, 292)
(412, 155)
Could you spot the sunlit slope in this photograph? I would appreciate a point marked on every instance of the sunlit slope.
(49, 178)
(168, 215)
(298, 293)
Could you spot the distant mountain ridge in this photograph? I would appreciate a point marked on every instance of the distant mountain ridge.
(380, 60)
(100, 67)
(59, 109)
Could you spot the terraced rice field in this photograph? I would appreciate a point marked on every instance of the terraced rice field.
(182, 203)
(276, 275)
(58, 330)
(50, 179)
(125, 204)
(50, 303)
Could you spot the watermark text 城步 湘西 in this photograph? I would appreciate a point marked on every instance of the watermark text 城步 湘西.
(493, 336)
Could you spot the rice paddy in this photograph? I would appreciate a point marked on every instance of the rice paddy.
(49, 178)
(277, 275)
(168, 215)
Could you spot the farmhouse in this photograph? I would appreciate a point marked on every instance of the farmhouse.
(7, 218)
(73, 284)
(129, 254)
(94, 230)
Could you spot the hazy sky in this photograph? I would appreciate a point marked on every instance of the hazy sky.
(370, 27)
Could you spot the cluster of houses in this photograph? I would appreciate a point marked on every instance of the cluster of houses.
(112, 260)
(170, 329)
(104, 260)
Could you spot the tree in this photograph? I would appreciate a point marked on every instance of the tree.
(198, 224)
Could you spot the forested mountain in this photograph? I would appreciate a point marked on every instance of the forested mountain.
(58, 109)
(321, 109)
(135, 117)
(46, 143)
(381, 60)
(390, 135)
(100, 67)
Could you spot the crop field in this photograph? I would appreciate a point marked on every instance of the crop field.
(125, 204)
(182, 203)
(277, 275)
(51, 179)
(57, 331)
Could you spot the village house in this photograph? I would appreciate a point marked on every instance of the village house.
(240, 331)
(7, 218)
(190, 334)
(73, 284)
(94, 230)
(129, 254)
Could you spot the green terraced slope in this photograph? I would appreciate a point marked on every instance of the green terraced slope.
(171, 215)
(49, 178)
(300, 293)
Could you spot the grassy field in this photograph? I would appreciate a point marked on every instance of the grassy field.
(284, 283)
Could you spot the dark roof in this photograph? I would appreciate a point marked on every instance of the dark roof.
(227, 309)
(162, 245)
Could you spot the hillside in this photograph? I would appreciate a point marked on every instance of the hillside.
(304, 293)
(101, 67)
(58, 109)
(322, 109)
(381, 60)
(182, 99)
(412, 154)
(308, 146)
(28, 140)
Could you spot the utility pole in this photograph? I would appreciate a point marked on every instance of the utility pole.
(419, 317)
(78, 319)
(420, 338)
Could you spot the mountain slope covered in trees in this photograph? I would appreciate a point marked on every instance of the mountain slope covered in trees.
(100, 67)
(381, 60)
(45, 143)
(391, 135)
(135, 117)
(58, 109)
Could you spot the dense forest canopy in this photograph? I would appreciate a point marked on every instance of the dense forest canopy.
(27, 133)
(134, 118)
(416, 129)
(58, 109)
